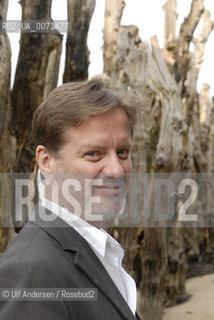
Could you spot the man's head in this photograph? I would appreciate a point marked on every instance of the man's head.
(84, 130)
(71, 104)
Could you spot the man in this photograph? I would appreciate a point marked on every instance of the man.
(83, 136)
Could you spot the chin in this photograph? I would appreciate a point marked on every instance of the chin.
(108, 209)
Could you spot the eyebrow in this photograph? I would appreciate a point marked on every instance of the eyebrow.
(101, 146)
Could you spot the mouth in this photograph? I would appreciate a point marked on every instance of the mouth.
(110, 190)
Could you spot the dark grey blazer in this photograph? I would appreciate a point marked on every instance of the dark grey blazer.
(54, 255)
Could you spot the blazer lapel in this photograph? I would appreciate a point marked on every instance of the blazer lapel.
(85, 259)
(88, 262)
(137, 316)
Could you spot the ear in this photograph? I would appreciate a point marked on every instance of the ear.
(45, 159)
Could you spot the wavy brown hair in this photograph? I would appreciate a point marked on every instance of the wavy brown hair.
(70, 104)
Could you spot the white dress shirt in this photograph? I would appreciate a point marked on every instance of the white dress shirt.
(107, 249)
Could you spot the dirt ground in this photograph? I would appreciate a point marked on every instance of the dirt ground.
(200, 306)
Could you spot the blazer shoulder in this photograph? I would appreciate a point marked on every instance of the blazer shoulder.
(28, 245)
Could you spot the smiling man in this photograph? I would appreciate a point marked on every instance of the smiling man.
(83, 135)
(96, 151)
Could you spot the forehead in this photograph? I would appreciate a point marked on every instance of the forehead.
(104, 127)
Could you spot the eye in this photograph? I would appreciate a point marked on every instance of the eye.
(124, 153)
(93, 155)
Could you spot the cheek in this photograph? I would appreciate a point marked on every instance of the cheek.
(88, 169)
(128, 166)
(94, 168)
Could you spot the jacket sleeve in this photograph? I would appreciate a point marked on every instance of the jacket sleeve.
(19, 274)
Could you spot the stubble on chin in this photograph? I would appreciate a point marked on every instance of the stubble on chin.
(93, 206)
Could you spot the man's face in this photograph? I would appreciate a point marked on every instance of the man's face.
(98, 149)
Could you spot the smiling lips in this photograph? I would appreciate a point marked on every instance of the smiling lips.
(110, 190)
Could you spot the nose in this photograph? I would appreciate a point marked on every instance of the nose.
(113, 168)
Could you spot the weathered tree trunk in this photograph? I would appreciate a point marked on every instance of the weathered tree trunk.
(36, 75)
(198, 112)
(206, 144)
(186, 68)
(7, 140)
(7, 158)
(176, 258)
(210, 231)
(77, 54)
(113, 14)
